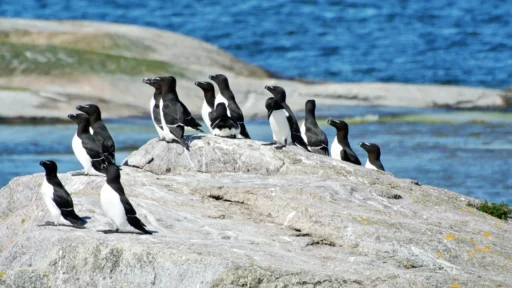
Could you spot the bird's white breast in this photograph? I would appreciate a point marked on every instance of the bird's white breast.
(336, 149)
(279, 126)
(112, 206)
(158, 130)
(369, 165)
(303, 131)
(81, 154)
(47, 193)
(204, 113)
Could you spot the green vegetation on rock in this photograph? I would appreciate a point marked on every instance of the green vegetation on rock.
(501, 211)
(98, 42)
(31, 59)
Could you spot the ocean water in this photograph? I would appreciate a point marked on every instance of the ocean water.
(470, 153)
(436, 41)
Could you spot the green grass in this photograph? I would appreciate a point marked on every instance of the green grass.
(29, 59)
(11, 88)
(501, 211)
(98, 42)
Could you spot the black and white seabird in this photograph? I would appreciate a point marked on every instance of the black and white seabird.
(285, 128)
(154, 106)
(340, 148)
(85, 147)
(99, 130)
(227, 96)
(311, 133)
(57, 199)
(172, 111)
(116, 205)
(221, 124)
(209, 101)
(373, 151)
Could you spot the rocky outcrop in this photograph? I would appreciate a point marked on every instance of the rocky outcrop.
(234, 213)
(49, 67)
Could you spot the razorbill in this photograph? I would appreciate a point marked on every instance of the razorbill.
(85, 147)
(172, 111)
(227, 96)
(57, 199)
(209, 101)
(373, 151)
(311, 133)
(221, 124)
(99, 130)
(340, 148)
(282, 121)
(116, 205)
(154, 106)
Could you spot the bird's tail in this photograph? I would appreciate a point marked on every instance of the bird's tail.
(136, 223)
(72, 217)
(243, 131)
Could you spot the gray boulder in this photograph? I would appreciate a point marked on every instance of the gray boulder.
(258, 217)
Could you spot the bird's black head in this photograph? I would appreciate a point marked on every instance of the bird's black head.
(221, 80)
(92, 110)
(221, 109)
(209, 92)
(310, 106)
(80, 119)
(49, 166)
(278, 92)
(205, 86)
(370, 148)
(150, 82)
(340, 125)
(113, 173)
(167, 83)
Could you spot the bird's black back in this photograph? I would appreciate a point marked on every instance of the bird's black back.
(347, 154)
(103, 137)
(220, 120)
(63, 200)
(131, 214)
(94, 150)
(294, 127)
(189, 120)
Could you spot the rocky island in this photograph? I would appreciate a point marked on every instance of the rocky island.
(233, 213)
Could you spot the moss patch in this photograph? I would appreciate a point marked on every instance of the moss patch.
(2, 274)
(501, 211)
(10, 88)
(25, 59)
(98, 42)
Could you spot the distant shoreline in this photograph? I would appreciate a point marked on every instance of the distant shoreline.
(61, 64)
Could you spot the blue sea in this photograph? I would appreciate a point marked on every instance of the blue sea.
(437, 41)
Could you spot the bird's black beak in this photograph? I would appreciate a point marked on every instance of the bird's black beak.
(41, 163)
(212, 77)
(363, 144)
(332, 122)
(269, 88)
(81, 108)
(72, 116)
(200, 83)
(147, 80)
